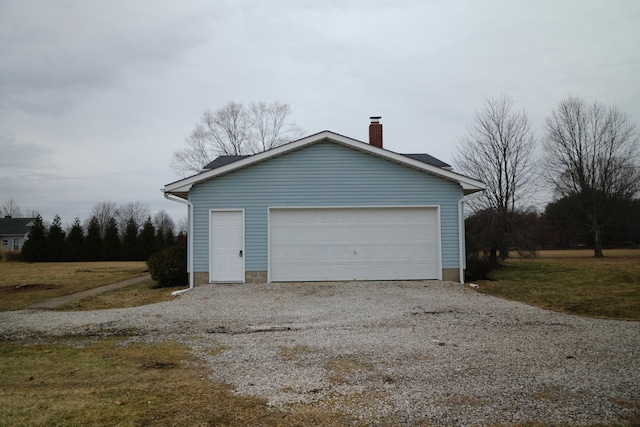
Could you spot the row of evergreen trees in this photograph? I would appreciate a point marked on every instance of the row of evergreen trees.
(136, 243)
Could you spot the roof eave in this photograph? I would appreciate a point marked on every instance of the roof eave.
(182, 192)
(467, 190)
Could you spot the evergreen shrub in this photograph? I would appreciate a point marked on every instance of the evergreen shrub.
(169, 267)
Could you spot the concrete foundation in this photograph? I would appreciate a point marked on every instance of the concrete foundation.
(255, 277)
(451, 274)
(201, 278)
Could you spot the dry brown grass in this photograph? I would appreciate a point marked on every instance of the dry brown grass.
(131, 296)
(294, 353)
(349, 364)
(573, 281)
(22, 284)
(112, 383)
(344, 369)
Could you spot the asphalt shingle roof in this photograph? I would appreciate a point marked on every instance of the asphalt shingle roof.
(223, 161)
(15, 226)
(424, 158)
(428, 159)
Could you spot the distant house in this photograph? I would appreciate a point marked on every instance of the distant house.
(325, 208)
(13, 232)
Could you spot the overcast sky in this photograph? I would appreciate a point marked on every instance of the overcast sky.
(95, 96)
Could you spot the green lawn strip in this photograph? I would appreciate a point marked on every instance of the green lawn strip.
(589, 287)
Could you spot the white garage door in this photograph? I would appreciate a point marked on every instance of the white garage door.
(324, 244)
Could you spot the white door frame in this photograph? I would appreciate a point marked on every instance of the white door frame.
(241, 273)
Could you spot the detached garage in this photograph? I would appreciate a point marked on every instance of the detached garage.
(325, 208)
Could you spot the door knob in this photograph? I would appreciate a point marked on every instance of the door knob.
(240, 253)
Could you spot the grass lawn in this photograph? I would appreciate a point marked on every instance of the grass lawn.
(112, 382)
(22, 284)
(573, 281)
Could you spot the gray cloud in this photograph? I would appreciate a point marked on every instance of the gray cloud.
(54, 53)
(15, 155)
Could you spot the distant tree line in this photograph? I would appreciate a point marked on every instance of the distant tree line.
(563, 224)
(127, 233)
(558, 226)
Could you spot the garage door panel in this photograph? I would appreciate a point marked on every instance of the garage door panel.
(353, 244)
(380, 272)
(306, 233)
(314, 272)
(308, 254)
(395, 252)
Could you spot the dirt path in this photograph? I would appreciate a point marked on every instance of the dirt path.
(60, 301)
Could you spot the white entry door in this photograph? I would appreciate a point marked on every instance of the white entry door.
(226, 263)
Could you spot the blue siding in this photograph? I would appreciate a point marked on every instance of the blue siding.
(324, 174)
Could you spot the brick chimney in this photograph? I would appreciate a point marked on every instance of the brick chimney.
(375, 131)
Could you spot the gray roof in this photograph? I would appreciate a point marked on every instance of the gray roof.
(224, 160)
(424, 158)
(15, 226)
(428, 159)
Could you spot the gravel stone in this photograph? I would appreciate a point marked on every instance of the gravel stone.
(386, 352)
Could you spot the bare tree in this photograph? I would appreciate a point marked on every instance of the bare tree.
(132, 212)
(183, 226)
(592, 155)
(498, 150)
(103, 212)
(234, 130)
(11, 208)
(163, 223)
(269, 127)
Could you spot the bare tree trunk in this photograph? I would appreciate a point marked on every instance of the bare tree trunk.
(597, 243)
(493, 254)
(504, 253)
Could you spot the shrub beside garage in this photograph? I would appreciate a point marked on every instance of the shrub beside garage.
(169, 267)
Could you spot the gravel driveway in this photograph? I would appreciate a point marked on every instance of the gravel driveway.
(398, 352)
